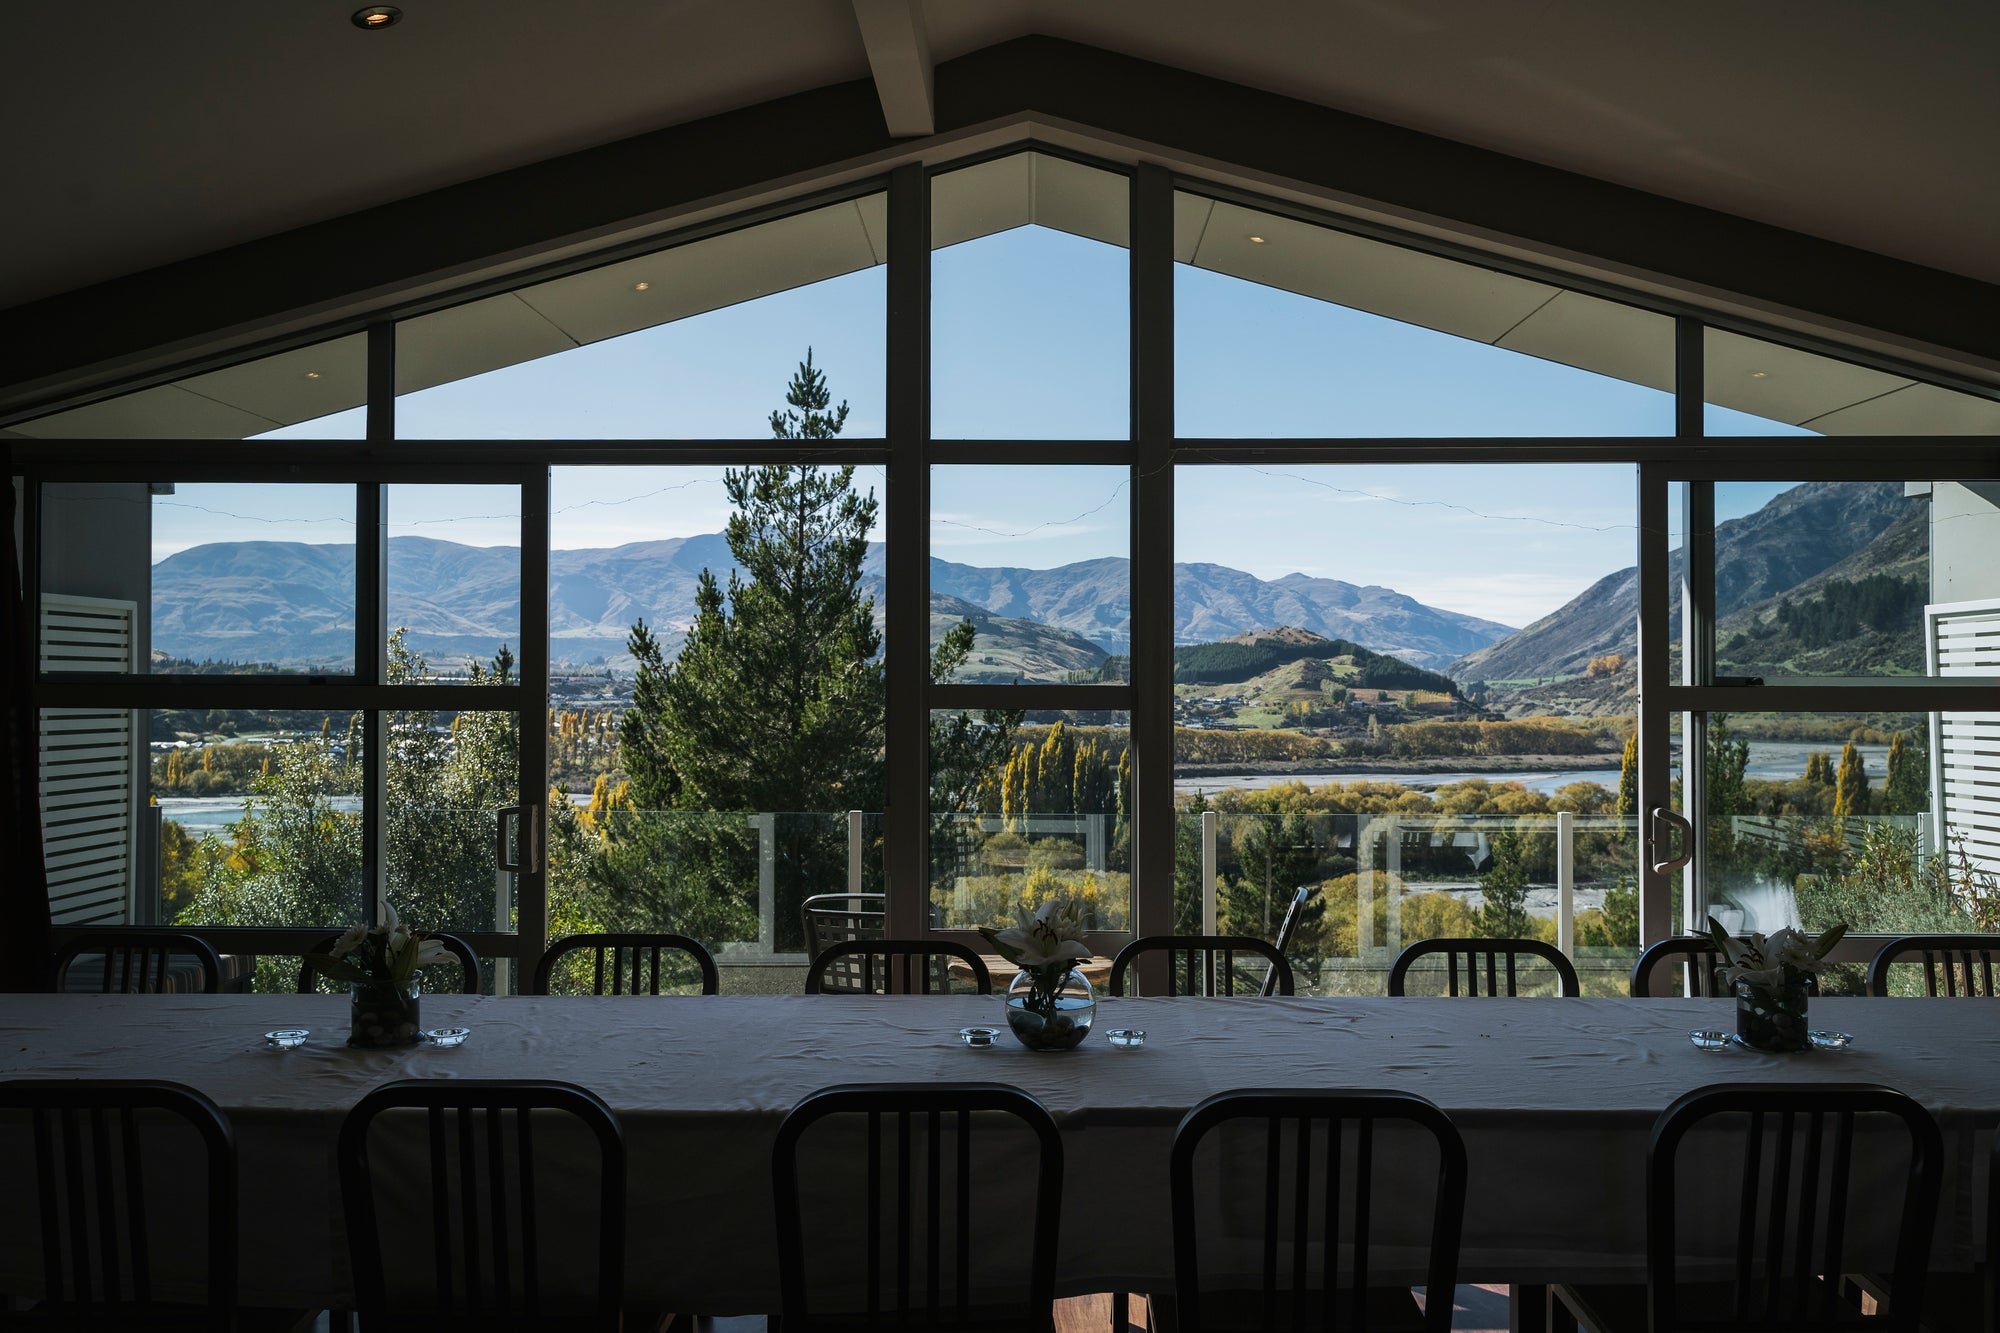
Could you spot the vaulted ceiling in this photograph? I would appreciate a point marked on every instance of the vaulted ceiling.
(142, 134)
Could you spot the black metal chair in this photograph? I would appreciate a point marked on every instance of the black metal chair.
(1287, 929)
(1954, 965)
(897, 1222)
(1321, 1161)
(1498, 958)
(878, 967)
(627, 964)
(1798, 1198)
(468, 1247)
(1698, 960)
(831, 918)
(139, 962)
(468, 963)
(1206, 964)
(99, 1237)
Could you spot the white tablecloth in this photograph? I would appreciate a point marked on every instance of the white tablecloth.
(1555, 1099)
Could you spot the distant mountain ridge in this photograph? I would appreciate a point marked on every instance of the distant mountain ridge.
(291, 603)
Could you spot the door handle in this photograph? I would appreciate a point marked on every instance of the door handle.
(527, 839)
(1664, 822)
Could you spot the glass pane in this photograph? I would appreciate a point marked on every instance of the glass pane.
(1817, 819)
(314, 393)
(710, 794)
(197, 578)
(694, 342)
(1025, 808)
(1030, 301)
(454, 575)
(1756, 387)
(448, 775)
(1831, 578)
(1283, 328)
(1038, 562)
(257, 821)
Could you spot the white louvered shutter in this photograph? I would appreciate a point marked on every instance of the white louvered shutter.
(87, 765)
(1964, 640)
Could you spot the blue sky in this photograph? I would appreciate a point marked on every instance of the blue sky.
(1030, 341)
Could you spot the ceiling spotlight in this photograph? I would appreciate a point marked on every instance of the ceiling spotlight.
(1256, 240)
(1757, 374)
(641, 286)
(376, 16)
(312, 374)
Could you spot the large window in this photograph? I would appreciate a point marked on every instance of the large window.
(1240, 550)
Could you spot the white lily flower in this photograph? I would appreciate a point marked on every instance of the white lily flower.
(430, 953)
(349, 941)
(1052, 934)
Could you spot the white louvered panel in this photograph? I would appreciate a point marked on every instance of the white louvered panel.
(1964, 640)
(87, 759)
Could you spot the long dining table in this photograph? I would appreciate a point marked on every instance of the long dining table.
(1555, 1099)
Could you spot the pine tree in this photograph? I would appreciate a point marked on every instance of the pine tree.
(1503, 910)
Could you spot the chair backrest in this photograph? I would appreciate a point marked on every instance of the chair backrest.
(468, 963)
(1288, 928)
(1207, 965)
(625, 964)
(479, 1233)
(830, 918)
(878, 967)
(1795, 1184)
(141, 961)
(909, 1229)
(1954, 965)
(89, 1174)
(1498, 959)
(1320, 1162)
(1697, 958)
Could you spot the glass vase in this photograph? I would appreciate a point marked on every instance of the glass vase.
(384, 1013)
(1772, 1018)
(1049, 1010)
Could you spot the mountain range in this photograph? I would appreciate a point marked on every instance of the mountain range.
(291, 603)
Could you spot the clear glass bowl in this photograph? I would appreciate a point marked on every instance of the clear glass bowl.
(978, 1037)
(285, 1039)
(1126, 1039)
(447, 1036)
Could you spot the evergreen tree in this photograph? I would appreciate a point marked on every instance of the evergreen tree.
(1907, 789)
(1503, 911)
(1727, 759)
(1851, 787)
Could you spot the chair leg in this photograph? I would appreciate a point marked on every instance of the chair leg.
(1121, 1312)
(1528, 1309)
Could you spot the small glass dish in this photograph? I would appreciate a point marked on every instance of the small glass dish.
(1825, 1039)
(1126, 1039)
(447, 1036)
(285, 1039)
(978, 1036)
(1709, 1039)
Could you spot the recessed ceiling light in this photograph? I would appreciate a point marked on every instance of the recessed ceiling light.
(1756, 374)
(1256, 240)
(376, 16)
(312, 374)
(641, 286)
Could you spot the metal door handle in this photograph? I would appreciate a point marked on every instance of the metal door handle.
(1663, 837)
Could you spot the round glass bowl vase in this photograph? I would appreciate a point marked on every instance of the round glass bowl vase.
(1050, 1013)
(1772, 1018)
(384, 1013)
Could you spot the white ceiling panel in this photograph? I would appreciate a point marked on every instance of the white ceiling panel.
(1620, 341)
(296, 386)
(1784, 384)
(1921, 409)
(472, 339)
(979, 201)
(1349, 270)
(167, 412)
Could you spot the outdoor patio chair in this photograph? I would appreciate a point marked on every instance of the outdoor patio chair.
(1289, 927)
(829, 918)
(468, 965)
(894, 1163)
(1208, 965)
(1298, 1169)
(483, 1232)
(1800, 1205)
(1954, 965)
(626, 964)
(1698, 959)
(879, 967)
(1498, 959)
(142, 962)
